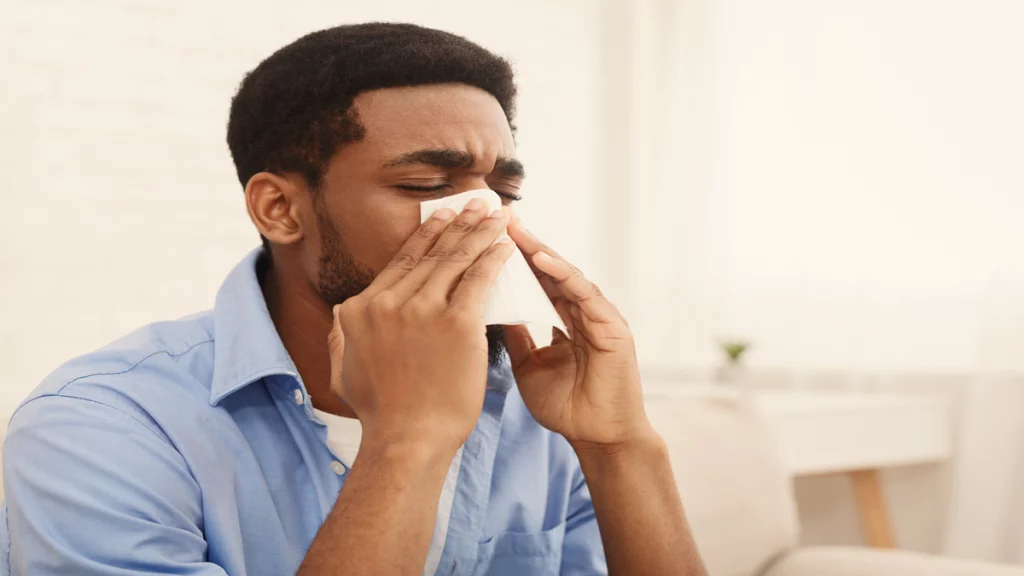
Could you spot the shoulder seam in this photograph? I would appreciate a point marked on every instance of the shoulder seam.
(159, 436)
(132, 367)
(104, 404)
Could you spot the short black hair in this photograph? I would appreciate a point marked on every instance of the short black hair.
(293, 111)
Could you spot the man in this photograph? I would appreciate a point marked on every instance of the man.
(217, 444)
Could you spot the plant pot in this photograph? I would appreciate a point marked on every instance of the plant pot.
(731, 373)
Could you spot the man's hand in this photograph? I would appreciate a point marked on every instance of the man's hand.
(409, 354)
(585, 387)
(588, 390)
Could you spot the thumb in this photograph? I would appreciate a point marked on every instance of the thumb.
(519, 344)
(336, 347)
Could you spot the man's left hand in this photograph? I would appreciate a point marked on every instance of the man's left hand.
(585, 387)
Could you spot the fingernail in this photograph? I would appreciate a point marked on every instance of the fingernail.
(335, 309)
(444, 214)
(542, 257)
(475, 204)
(496, 214)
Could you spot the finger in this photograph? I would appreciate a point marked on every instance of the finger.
(336, 346)
(527, 242)
(476, 281)
(449, 271)
(529, 245)
(414, 249)
(519, 344)
(576, 288)
(592, 333)
(465, 223)
(562, 308)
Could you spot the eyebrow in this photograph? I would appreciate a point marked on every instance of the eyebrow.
(451, 158)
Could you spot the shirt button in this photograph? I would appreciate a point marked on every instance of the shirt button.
(338, 468)
(298, 396)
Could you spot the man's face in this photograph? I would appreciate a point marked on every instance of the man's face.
(420, 143)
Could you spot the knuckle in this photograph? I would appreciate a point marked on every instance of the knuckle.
(438, 253)
(574, 275)
(419, 307)
(461, 319)
(403, 261)
(475, 273)
(350, 307)
(461, 253)
(429, 230)
(383, 304)
(493, 224)
(462, 225)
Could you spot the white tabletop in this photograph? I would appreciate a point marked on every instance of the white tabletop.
(826, 432)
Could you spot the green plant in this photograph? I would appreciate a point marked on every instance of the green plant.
(734, 349)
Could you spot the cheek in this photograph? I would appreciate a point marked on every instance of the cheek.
(380, 230)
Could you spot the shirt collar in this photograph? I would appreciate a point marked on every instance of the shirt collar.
(499, 378)
(246, 345)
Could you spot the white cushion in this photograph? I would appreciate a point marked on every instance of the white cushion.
(869, 562)
(738, 496)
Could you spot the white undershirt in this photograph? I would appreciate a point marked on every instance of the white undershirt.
(343, 437)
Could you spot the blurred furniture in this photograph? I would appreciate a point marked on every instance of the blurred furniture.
(737, 490)
(858, 434)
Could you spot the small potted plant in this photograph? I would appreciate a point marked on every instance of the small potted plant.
(731, 371)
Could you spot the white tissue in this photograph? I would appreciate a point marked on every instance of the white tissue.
(516, 297)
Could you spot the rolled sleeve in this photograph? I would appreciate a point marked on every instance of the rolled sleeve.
(93, 490)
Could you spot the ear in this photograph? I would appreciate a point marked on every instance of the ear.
(273, 204)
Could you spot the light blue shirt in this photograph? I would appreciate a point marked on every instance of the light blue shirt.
(190, 447)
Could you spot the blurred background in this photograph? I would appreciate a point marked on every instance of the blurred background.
(837, 184)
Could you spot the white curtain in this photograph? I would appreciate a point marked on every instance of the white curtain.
(839, 182)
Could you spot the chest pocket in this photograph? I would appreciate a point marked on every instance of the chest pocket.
(516, 554)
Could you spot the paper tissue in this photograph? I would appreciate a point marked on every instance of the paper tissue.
(517, 297)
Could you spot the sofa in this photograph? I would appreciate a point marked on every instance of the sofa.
(740, 504)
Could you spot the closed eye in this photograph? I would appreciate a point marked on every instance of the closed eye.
(437, 188)
(428, 189)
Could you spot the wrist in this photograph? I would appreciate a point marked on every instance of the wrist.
(645, 445)
(411, 448)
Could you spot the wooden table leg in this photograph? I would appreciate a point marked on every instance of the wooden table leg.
(873, 510)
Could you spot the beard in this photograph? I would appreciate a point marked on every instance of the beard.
(341, 277)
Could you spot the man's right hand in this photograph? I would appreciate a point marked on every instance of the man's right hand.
(409, 354)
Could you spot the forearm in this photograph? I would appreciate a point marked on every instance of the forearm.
(384, 517)
(639, 512)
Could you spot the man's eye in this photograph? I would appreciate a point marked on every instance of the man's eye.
(437, 188)
(507, 197)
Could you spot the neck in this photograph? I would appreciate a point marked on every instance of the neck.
(303, 321)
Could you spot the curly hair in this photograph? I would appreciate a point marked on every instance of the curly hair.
(294, 110)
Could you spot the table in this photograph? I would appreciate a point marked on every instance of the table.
(856, 434)
(859, 434)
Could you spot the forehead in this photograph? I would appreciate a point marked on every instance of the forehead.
(434, 116)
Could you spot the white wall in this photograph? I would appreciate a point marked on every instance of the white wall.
(859, 190)
(122, 203)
